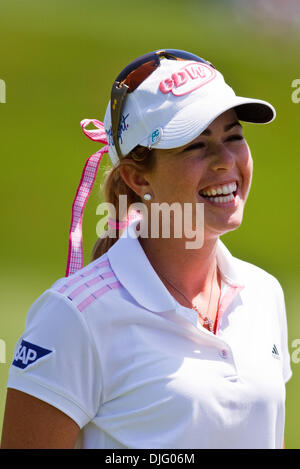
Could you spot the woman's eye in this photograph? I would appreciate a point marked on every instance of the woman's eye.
(235, 137)
(195, 146)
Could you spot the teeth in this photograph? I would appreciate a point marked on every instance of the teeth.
(226, 189)
(222, 200)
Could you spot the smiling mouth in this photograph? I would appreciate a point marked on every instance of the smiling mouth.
(222, 194)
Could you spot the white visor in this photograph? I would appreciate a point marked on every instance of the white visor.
(175, 104)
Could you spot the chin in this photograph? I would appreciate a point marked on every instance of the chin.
(225, 226)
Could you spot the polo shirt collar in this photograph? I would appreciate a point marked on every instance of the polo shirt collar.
(227, 266)
(135, 272)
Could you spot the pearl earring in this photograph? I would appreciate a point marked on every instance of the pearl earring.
(147, 196)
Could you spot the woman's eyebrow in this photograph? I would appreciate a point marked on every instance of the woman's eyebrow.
(208, 132)
(233, 124)
(226, 128)
(192, 146)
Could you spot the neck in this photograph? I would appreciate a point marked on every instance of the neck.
(191, 270)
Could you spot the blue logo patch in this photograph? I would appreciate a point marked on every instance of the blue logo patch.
(29, 353)
(156, 135)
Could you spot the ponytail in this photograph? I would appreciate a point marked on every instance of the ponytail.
(114, 187)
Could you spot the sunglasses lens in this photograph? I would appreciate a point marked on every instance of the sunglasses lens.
(136, 77)
(155, 58)
(135, 64)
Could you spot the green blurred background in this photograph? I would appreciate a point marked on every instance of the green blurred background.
(58, 60)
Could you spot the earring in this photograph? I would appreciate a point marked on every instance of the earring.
(147, 196)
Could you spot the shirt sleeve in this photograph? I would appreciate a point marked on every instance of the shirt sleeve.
(286, 360)
(55, 359)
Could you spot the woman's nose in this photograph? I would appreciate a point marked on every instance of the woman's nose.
(222, 158)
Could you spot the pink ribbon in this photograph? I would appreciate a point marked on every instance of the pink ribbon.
(75, 254)
(120, 225)
(117, 225)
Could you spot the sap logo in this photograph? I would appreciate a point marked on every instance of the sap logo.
(188, 79)
(29, 353)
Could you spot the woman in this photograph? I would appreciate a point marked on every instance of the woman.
(157, 343)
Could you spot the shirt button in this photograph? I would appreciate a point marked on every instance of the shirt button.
(223, 353)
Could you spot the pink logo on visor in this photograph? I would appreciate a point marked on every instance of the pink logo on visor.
(188, 79)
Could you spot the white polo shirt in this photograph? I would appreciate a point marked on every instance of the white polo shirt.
(110, 347)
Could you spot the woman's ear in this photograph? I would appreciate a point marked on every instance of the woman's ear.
(133, 177)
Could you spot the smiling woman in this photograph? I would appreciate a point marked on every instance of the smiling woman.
(153, 345)
(214, 169)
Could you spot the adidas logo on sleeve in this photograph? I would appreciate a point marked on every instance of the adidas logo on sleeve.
(275, 352)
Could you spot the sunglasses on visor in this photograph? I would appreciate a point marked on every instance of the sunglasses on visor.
(133, 75)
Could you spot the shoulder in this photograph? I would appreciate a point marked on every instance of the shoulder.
(256, 276)
(77, 301)
(63, 313)
(88, 285)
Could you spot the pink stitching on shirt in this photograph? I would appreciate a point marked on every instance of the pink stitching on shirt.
(79, 277)
(86, 284)
(94, 296)
(90, 283)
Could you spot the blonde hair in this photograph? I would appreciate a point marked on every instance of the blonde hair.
(114, 186)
